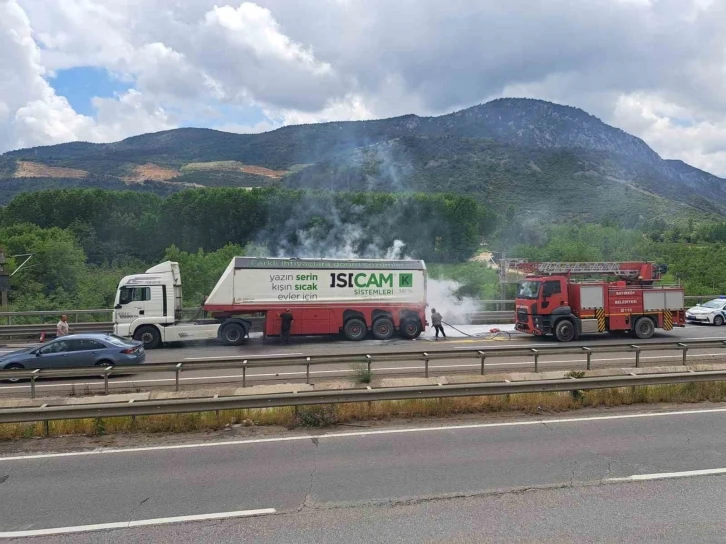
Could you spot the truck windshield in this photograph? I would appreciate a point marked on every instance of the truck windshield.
(528, 289)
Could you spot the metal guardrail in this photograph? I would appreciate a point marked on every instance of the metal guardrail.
(307, 362)
(178, 406)
(76, 313)
(32, 330)
(476, 318)
(27, 331)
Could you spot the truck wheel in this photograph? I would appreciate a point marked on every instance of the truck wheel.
(149, 336)
(410, 328)
(644, 328)
(233, 334)
(382, 328)
(565, 331)
(355, 329)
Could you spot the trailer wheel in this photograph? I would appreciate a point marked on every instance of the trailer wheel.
(644, 328)
(382, 328)
(355, 329)
(565, 331)
(411, 328)
(233, 334)
(149, 336)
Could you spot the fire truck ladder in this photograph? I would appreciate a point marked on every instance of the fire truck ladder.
(616, 269)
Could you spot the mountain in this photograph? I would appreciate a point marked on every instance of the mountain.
(540, 157)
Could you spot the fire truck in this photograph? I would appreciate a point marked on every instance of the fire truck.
(607, 297)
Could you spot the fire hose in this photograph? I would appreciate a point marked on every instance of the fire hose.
(504, 334)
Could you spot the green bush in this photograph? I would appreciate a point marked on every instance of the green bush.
(319, 415)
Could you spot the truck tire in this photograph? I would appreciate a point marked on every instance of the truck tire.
(411, 328)
(149, 336)
(644, 328)
(233, 334)
(565, 331)
(355, 329)
(382, 328)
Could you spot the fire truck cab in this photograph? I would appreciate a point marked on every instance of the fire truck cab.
(549, 301)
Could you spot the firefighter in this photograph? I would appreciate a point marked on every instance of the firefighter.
(285, 325)
(436, 319)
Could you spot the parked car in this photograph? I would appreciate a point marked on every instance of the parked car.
(77, 350)
(713, 312)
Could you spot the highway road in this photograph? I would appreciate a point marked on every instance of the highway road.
(256, 349)
(608, 476)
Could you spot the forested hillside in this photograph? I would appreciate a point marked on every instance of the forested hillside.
(81, 237)
(83, 241)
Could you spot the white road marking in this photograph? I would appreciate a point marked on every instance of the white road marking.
(324, 436)
(508, 345)
(344, 371)
(137, 523)
(668, 475)
(241, 357)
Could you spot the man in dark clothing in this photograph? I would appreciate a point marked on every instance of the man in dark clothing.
(436, 319)
(285, 326)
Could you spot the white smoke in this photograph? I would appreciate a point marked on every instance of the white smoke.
(440, 293)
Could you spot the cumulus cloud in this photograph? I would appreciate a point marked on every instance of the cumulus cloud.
(652, 67)
(30, 111)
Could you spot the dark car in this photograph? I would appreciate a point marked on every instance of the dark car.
(77, 350)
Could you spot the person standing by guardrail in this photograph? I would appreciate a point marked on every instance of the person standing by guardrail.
(61, 329)
(436, 319)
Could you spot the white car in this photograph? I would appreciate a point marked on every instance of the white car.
(713, 312)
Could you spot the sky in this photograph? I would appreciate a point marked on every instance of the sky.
(103, 70)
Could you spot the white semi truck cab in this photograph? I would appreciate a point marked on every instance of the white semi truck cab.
(148, 308)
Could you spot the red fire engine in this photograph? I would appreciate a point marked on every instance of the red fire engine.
(625, 298)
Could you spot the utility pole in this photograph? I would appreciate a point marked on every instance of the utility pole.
(4, 281)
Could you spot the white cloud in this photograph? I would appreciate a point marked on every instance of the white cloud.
(31, 112)
(671, 130)
(129, 114)
(349, 108)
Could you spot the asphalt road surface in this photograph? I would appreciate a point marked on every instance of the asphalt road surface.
(256, 349)
(615, 476)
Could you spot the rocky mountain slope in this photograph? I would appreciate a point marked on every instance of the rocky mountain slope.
(535, 155)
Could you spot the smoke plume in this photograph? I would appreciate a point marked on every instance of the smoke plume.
(342, 244)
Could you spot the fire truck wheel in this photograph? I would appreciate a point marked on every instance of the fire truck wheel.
(233, 334)
(565, 331)
(149, 336)
(382, 328)
(718, 320)
(644, 328)
(411, 328)
(355, 329)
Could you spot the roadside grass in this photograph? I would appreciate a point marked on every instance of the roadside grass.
(327, 415)
(362, 373)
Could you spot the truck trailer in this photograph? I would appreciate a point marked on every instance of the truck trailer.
(627, 300)
(352, 297)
